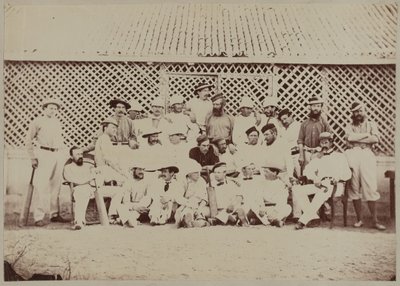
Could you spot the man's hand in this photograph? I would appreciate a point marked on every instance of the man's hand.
(35, 163)
(133, 144)
(203, 203)
(301, 160)
(229, 209)
(232, 149)
(317, 183)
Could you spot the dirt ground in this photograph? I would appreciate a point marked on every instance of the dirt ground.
(213, 253)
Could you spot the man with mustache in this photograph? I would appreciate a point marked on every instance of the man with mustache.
(361, 134)
(219, 123)
(126, 133)
(328, 168)
(310, 129)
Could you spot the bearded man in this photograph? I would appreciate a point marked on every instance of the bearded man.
(361, 135)
(310, 131)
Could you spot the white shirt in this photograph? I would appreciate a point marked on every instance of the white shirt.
(291, 134)
(280, 154)
(200, 108)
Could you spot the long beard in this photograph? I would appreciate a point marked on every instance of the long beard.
(358, 119)
(217, 112)
(79, 162)
(315, 115)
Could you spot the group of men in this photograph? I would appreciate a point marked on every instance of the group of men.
(196, 165)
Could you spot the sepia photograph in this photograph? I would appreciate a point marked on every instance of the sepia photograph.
(199, 141)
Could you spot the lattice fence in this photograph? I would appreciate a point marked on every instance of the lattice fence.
(85, 89)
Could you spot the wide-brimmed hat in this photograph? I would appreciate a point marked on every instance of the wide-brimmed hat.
(166, 164)
(109, 121)
(54, 101)
(151, 131)
(176, 98)
(113, 103)
(315, 100)
(271, 162)
(270, 101)
(201, 86)
(356, 106)
(175, 130)
(246, 102)
(135, 105)
(158, 101)
(191, 166)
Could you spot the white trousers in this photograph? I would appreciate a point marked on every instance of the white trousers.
(47, 183)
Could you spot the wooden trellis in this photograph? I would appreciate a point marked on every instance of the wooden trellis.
(85, 89)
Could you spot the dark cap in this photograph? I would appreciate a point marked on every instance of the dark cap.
(201, 139)
(251, 130)
(268, 127)
(284, 112)
(216, 166)
(217, 96)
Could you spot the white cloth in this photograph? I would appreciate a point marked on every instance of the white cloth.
(280, 154)
(242, 123)
(200, 108)
(276, 193)
(189, 129)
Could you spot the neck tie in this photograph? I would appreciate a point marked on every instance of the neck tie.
(166, 187)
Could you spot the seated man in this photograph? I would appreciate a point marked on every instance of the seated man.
(228, 196)
(193, 208)
(204, 153)
(136, 201)
(83, 175)
(164, 192)
(328, 168)
(274, 194)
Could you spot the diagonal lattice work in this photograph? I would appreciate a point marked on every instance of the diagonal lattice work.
(85, 89)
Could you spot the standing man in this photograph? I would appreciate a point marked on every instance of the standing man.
(218, 122)
(190, 130)
(361, 135)
(290, 132)
(270, 108)
(310, 130)
(48, 160)
(244, 120)
(200, 106)
(328, 168)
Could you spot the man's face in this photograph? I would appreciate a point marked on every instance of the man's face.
(157, 110)
(77, 156)
(111, 129)
(220, 173)
(222, 146)
(315, 109)
(175, 139)
(269, 110)
(269, 136)
(194, 176)
(50, 110)
(286, 120)
(217, 105)
(358, 115)
(325, 144)
(166, 174)
(177, 107)
(153, 139)
(204, 93)
(133, 114)
(248, 171)
(120, 110)
(253, 138)
(246, 111)
(138, 173)
(204, 146)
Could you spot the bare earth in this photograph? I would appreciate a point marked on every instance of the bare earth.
(214, 253)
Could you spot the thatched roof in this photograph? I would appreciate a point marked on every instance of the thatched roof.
(267, 33)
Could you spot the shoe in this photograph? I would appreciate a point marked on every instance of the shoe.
(77, 227)
(379, 226)
(40, 223)
(299, 226)
(314, 223)
(131, 223)
(358, 224)
(59, 219)
(280, 223)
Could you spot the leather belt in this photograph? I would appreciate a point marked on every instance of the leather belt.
(111, 183)
(312, 150)
(120, 143)
(49, 149)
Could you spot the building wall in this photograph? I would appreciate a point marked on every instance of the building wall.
(85, 89)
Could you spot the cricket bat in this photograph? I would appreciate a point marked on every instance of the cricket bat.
(24, 215)
(212, 198)
(101, 207)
